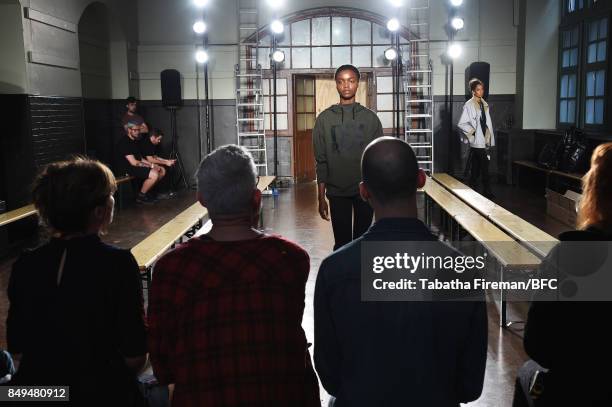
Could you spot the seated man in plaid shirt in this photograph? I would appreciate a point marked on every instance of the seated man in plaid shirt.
(226, 308)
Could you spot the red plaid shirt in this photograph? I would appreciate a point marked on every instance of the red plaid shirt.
(225, 324)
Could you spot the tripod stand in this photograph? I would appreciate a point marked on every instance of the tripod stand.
(178, 168)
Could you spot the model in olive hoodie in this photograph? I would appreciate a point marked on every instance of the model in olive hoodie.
(340, 135)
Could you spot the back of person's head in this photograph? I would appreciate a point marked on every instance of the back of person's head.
(67, 193)
(390, 171)
(227, 178)
(596, 203)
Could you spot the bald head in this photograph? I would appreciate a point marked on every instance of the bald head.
(389, 170)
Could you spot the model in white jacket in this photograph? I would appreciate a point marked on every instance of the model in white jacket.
(469, 123)
(478, 135)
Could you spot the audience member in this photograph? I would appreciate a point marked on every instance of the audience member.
(226, 308)
(131, 161)
(150, 147)
(76, 315)
(567, 346)
(131, 115)
(394, 353)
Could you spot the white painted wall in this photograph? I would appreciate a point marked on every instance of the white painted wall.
(540, 67)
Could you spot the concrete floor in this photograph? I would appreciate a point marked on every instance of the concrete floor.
(293, 214)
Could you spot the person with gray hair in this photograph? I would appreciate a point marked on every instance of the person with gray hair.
(226, 308)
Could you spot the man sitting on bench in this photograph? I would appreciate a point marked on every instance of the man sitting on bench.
(132, 162)
(149, 147)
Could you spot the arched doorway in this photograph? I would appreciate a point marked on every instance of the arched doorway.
(315, 43)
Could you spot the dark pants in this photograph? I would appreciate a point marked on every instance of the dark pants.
(480, 165)
(350, 217)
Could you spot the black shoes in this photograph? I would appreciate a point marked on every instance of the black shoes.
(165, 195)
(145, 199)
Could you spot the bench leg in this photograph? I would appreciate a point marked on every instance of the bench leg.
(147, 277)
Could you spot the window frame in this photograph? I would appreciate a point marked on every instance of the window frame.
(591, 11)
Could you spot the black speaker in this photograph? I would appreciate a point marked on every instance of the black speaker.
(171, 88)
(480, 70)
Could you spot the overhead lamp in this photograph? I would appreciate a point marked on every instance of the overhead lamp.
(456, 3)
(393, 25)
(277, 27)
(278, 56)
(457, 23)
(201, 56)
(200, 3)
(397, 3)
(454, 50)
(275, 3)
(199, 27)
(391, 54)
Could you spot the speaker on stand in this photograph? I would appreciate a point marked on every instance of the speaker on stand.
(172, 100)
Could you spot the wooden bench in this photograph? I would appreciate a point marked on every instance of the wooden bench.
(534, 238)
(509, 254)
(17, 214)
(30, 210)
(186, 223)
(575, 177)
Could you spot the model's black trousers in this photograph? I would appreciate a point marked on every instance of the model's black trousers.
(350, 217)
(479, 165)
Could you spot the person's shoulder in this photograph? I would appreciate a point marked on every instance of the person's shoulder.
(285, 245)
(367, 111)
(342, 261)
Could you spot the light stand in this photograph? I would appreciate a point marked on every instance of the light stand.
(398, 73)
(178, 168)
(274, 106)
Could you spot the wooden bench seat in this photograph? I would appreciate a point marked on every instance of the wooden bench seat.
(534, 238)
(509, 253)
(186, 223)
(17, 214)
(574, 177)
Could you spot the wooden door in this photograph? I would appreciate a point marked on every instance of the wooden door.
(304, 119)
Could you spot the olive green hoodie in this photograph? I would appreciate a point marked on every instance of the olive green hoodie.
(340, 135)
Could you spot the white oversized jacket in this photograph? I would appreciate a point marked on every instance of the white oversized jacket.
(469, 123)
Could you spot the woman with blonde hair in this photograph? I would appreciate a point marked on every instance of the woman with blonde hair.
(565, 339)
(76, 315)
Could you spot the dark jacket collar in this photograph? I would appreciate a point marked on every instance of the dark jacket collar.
(399, 225)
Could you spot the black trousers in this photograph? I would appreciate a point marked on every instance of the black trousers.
(350, 217)
(480, 165)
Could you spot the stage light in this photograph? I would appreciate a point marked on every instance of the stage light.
(277, 27)
(275, 3)
(456, 3)
(278, 56)
(457, 23)
(391, 54)
(393, 25)
(454, 50)
(200, 3)
(199, 27)
(201, 56)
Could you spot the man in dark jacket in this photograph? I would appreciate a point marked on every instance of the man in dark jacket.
(340, 135)
(394, 353)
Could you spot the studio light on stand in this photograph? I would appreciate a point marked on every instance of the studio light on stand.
(277, 57)
(392, 54)
(201, 29)
(454, 50)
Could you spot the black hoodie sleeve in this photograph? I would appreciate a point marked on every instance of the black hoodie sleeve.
(320, 153)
